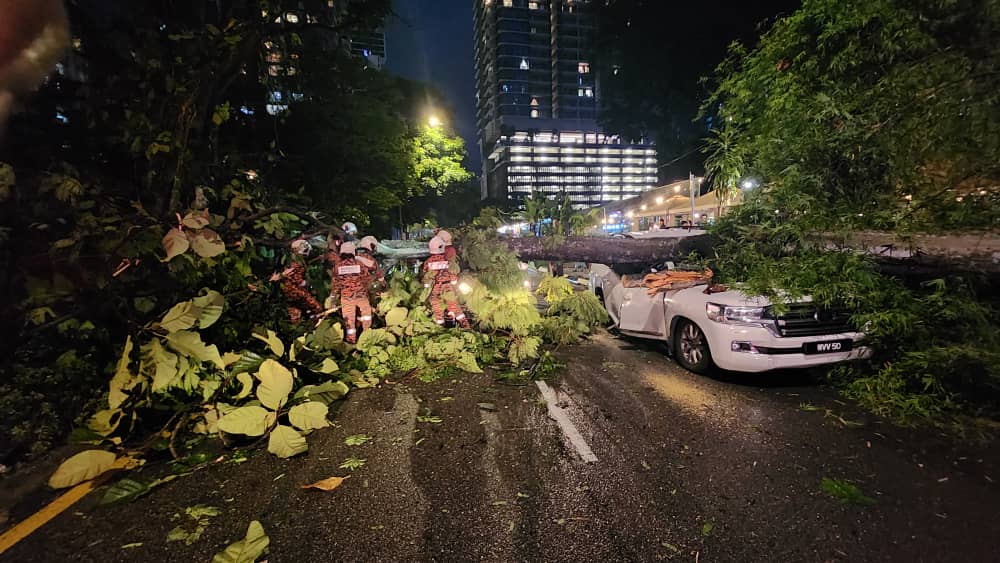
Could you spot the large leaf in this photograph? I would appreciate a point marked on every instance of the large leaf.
(250, 421)
(124, 491)
(207, 243)
(248, 549)
(272, 341)
(249, 362)
(104, 422)
(211, 305)
(164, 366)
(375, 338)
(328, 366)
(396, 316)
(309, 416)
(123, 380)
(196, 219)
(190, 344)
(286, 442)
(246, 380)
(175, 243)
(181, 316)
(84, 466)
(275, 384)
(325, 393)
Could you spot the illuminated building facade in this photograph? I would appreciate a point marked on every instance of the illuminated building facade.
(536, 98)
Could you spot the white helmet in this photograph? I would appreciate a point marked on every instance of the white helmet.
(369, 243)
(436, 245)
(349, 228)
(445, 236)
(348, 248)
(301, 247)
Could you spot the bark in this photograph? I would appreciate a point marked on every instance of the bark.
(917, 254)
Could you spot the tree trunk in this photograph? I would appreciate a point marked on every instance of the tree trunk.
(916, 255)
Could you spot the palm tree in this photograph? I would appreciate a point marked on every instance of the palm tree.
(535, 210)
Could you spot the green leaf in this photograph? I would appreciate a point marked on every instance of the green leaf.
(190, 344)
(375, 338)
(211, 305)
(181, 316)
(325, 393)
(352, 463)
(357, 440)
(248, 549)
(175, 243)
(467, 363)
(165, 368)
(309, 416)
(328, 366)
(84, 466)
(275, 384)
(247, 381)
(250, 420)
(124, 491)
(249, 362)
(846, 492)
(123, 380)
(396, 316)
(273, 342)
(706, 529)
(286, 442)
(144, 304)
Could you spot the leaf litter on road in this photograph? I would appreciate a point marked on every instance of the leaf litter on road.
(328, 484)
(845, 492)
(357, 440)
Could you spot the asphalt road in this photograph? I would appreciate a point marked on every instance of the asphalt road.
(688, 469)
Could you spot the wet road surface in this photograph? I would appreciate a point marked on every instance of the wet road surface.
(688, 468)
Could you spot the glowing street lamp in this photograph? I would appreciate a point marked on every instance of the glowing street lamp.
(434, 121)
(659, 200)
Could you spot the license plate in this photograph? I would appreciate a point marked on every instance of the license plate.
(828, 347)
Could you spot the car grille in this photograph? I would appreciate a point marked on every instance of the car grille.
(805, 319)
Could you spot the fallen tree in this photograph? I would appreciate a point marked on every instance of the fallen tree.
(916, 254)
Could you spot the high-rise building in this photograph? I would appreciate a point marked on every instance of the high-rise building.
(369, 47)
(536, 99)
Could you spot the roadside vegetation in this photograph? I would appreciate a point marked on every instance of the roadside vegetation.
(881, 116)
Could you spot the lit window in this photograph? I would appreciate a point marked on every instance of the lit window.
(508, 3)
(583, 68)
(579, 92)
(534, 101)
(292, 17)
(524, 64)
(274, 57)
(534, 113)
(589, 92)
(532, 5)
(274, 70)
(268, 45)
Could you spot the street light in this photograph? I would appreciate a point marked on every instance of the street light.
(659, 200)
(749, 183)
(643, 207)
(434, 121)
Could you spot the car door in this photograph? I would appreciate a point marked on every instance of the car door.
(641, 313)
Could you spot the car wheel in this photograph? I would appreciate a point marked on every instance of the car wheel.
(691, 347)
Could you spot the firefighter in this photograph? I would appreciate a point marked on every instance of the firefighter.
(294, 286)
(350, 230)
(351, 278)
(441, 276)
(449, 250)
(366, 255)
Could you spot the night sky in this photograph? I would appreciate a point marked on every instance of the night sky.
(431, 41)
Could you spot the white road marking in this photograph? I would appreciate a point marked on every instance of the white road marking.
(557, 414)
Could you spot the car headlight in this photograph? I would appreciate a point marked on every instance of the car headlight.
(734, 315)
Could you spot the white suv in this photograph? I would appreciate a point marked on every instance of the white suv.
(728, 329)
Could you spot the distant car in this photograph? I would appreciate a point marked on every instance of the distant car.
(728, 329)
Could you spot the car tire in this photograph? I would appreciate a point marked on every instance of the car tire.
(690, 347)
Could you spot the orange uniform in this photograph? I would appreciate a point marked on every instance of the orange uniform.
(293, 285)
(438, 276)
(351, 277)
